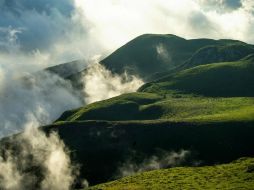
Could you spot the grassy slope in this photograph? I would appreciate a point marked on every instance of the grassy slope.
(204, 109)
(222, 53)
(212, 54)
(219, 79)
(227, 79)
(194, 94)
(112, 109)
(149, 106)
(236, 175)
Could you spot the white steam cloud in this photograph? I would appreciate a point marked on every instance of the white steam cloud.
(46, 96)
(167, 160)
(163, 53)
(100, 83)
(43, 95)
(36, 161)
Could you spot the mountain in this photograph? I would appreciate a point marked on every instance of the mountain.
(153, 53)
(206, 108)
(153, 56)
(65, 70)
(201, 101)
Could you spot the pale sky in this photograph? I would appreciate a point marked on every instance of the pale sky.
(54, 31)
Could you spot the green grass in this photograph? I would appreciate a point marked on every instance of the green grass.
(197, 109)
(212, 92)
(236, 175)
(227, 79)
(148, 106)
(123, 107)
(216, 54)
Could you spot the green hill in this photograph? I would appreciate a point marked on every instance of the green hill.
(153, 53)
(222, 53)
(148, 106)
(236, 175)
(152, 56)
(207, 109)
(178, 97)
(227, 79)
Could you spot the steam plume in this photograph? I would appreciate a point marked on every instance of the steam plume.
(100, 83)
(167, 160)
(36, 161)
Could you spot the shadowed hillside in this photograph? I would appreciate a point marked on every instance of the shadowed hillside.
(103, 146)
(152, 56)
(227, 79)
(149, 54)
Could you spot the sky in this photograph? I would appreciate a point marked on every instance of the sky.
(56, 31)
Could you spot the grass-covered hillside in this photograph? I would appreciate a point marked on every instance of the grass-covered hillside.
(212, 92)
(150, 106)
(221, 53)
(149, 54)
(206, 109)
(226, 79)
(152, 56)
(236, 175)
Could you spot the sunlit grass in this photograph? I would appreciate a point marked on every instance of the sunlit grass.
(236, 175)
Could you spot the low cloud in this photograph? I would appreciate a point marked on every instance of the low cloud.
(100, 84)
(166, 160)
(36, 161)
(46, 96)
(163, 54)
(43, 95)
